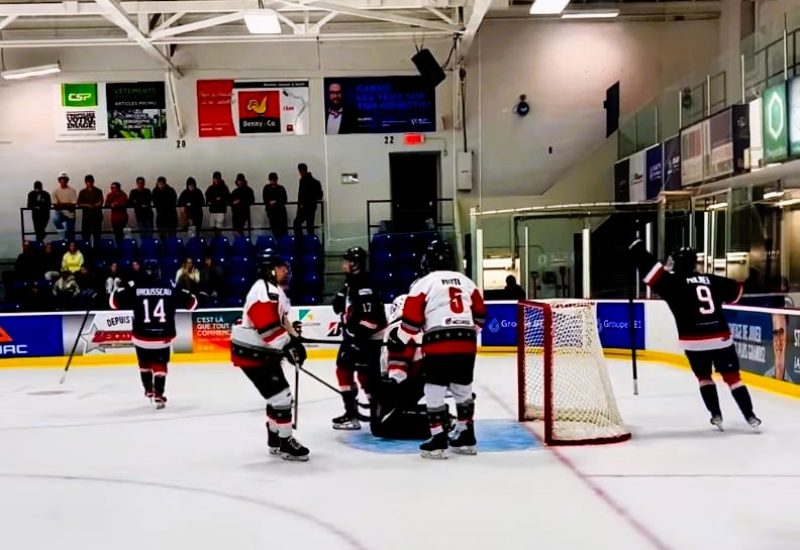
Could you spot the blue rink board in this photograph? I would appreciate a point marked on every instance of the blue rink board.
(494, 436)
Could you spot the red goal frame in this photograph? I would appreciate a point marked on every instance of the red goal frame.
(547, 365)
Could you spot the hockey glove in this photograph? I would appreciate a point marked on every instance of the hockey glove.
(295, 352)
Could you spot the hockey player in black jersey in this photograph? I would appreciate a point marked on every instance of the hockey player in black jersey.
(363, 318)
(153, 303)
(696, 300)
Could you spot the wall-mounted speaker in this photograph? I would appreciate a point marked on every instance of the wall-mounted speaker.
(428, 67)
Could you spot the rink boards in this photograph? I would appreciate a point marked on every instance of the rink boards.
(765, 338)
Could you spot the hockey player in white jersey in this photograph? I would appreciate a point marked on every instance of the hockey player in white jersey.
(259, 343)
(446, 309)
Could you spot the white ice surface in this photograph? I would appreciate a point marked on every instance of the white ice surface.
(98, 468)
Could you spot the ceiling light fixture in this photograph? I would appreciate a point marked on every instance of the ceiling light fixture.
(548, 7)
(605, 14)
(773, 194)
(30, 72)
(262, 21)
(788, 202)
(717, 206)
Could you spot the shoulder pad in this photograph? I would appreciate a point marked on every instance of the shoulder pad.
(365, 292)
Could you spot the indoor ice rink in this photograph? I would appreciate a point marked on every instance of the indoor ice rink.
(91, 465)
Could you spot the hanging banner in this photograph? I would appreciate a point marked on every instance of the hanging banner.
(794, 116)
(692, 155)
(654, 171)
(82, 115)
(379, 105)
(672, 164)
(230, 108)
(636, 177)
(776, 142)
(136, 110)
(756, 151)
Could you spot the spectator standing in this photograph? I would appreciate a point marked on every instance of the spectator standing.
(73, 259)
(192, 202)
(211, 280)
(117, 200)
(51, 262)
(275, 199)
(39, 204)
(188, 276)
(64, 200)
(308, 195)
(165, 201)
(28, 266)
(90, 201)
(513, 291)
(141, 200)
(242, 198)
(217, 198)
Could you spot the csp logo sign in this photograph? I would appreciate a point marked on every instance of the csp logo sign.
(31, 336)
(79, 95)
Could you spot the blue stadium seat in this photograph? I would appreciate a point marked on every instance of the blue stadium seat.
(421, 240)
(401, 242)
(242, 246)
(10, 307)
(310, 300)
(263, 242)
(169, 268)
(389, 295)
(220, 246)
(311, 281)
(60, 246)
(311, 243)
(85, 247)
(235, 300)
(287, 244)
(290, 258)
(382, 260)
(311, 262)
(150, 247)
(382, 242)
(237, 287)
(241, 267)
(174, 247)
(124, 264)
(129, 249)
(101, 264)
(107, 249)
(37, 246)
(196, 247)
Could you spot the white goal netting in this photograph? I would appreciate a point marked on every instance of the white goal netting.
(562, 374)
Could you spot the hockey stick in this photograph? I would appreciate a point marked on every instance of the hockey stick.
(632, 330)
(320, 380)
(339, 342)
(296, 396)
(75, 345)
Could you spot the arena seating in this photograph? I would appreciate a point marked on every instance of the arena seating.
(395, 260)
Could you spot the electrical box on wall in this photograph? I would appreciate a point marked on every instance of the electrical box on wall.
(464, 171)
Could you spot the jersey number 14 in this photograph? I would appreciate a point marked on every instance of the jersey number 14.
(158, 311)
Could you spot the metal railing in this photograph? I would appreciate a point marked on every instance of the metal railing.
(437, 215)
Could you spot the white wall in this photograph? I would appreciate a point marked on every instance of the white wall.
(30, 152)
(564, 69)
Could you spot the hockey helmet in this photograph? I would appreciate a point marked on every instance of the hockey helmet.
(268, 263)
(438, 257)
(151, 269)
(357, 257)
(684, 261)
(396, 309)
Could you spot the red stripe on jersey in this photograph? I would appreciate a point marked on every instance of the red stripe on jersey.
(448, 347)
(112, 300)
(264, 315)
(738, 295)
(701, 337)
(273, 334)
(478, 308)
(193, 304)
(414, 312)
(245, 362)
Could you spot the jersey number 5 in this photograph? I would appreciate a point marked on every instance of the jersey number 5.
(456, 303)
(707, 302)
(158, 311)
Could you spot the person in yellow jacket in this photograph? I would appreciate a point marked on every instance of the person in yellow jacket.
(73, 259)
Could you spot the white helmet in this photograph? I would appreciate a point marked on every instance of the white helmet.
(396, 309)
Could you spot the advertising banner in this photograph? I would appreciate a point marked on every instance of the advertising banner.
(756, 126)
(636, 177)
(622, 190)
(82, 115)
(692, 155)
(211, 331)
(654, 171)
(136, 110)
(794, 116)
(501, 325)
(752, 336)
(613, 324)
(721, 144)
(775, 123)
(672, 164)
(31, 336)
(230, 108)
(381, 104)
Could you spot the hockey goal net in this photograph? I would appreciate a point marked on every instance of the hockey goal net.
(562, 374)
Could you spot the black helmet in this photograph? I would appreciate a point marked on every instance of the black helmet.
(268, 262)
(357, 257)
(438, 257)
(151, 269)
(684, 261)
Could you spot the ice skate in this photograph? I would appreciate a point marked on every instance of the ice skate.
(716, 421)
(291, 449)
(754, 422)
(273, 443)
(435, 447)
(462, 440)
(160, 401)
(345, 422)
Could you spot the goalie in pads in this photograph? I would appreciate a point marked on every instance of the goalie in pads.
(695, 300)
(446, 310)
(260, 341)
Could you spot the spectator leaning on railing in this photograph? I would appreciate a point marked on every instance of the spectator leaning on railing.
(275, 199)
(192, 202)
(64, 199)
(141, 200)
(117, 200)
(73, 259)
(90, 200)
(39, 203)
(217, 198)
(308, 194)
(242, 198)
(165, 201)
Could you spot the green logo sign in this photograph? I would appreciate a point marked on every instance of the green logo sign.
(776, 142)
(794, 116)
(79, 95)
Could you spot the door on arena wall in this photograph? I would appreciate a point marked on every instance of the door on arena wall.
(414, 190)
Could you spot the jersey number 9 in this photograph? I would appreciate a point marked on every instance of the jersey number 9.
(707, 306)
